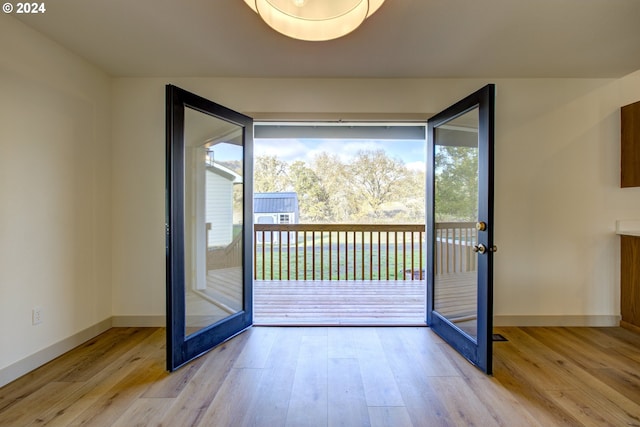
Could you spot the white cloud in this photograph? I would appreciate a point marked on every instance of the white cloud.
(417, 166)
(289, 150)
(346, 150)
(285, 149)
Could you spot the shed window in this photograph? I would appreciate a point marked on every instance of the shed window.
(284, 219)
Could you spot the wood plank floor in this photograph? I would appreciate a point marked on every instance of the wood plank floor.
(327, 376)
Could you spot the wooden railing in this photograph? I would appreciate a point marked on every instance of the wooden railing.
(454, 247)
(226, 257)
(357, 252)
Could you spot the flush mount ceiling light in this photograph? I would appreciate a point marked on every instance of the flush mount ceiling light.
(314, 20)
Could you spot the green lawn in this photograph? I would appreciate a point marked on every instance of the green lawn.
(372, 261)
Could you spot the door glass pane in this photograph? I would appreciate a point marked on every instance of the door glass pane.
(456, 213)
(213, 220)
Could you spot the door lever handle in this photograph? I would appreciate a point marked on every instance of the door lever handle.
(482, 248)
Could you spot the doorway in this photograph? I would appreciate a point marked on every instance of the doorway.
(339, 223)
(187, 238)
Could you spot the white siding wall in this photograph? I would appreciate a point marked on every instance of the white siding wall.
(219, 209)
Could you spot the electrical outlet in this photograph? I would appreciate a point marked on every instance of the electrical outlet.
(36, 316)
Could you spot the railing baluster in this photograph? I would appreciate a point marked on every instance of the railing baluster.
(304, 254)
(279, 255)
(441, 253)
(362, 254)
(453, 250)
(404, 257)
(460, 247)
(330, 253)
(346, 255)
(412, 256)
(395, 257)
(313, 255)
(447, 250)
(288, 255)
(379, 258)
(466, 249)
(420, 243)
(387, 254)
(355, 254)
(371, 255)
(338, 254)
(263, 258)
(474, 241)
(297, 250)
(322, 255)
(270, 256)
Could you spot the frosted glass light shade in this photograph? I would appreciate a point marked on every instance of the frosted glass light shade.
(314, 20)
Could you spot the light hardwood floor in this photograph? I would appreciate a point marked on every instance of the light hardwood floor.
(326, 376)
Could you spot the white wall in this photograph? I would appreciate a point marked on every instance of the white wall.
(55, 187)
(557, 168)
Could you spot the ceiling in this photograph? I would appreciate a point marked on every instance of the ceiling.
(403, 39)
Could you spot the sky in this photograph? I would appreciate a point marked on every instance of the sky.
(410, 152)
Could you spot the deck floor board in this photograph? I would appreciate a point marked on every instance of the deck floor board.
(359, 302)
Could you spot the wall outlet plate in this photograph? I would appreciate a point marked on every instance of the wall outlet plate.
(36, 316)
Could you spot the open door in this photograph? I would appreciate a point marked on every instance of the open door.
(209, 214)
(460, 198)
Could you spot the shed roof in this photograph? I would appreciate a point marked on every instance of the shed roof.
(275, 202)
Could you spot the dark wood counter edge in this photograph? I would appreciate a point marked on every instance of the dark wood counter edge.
(630, 327)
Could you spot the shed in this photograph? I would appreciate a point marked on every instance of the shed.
(275, 208)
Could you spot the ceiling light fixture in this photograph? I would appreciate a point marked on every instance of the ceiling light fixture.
(314, 20)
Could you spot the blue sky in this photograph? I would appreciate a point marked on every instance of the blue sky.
(411, 152)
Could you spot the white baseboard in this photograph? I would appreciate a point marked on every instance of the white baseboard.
(29, 363)
(594, 321)
(139, 321)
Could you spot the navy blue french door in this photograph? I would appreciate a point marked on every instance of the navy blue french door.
(459, 199)
(209, 209)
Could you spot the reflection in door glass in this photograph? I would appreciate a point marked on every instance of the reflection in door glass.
(456, 214)
(213, 220)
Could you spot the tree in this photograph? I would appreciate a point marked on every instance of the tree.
(378, 179)
(412, 195)
(270, 175)
(456, 183)
(313, 198)
(333, 176)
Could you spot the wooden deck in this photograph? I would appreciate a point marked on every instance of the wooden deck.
(335, 302)
(362, 302)
(323, 302)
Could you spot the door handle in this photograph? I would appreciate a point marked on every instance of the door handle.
(482, 248)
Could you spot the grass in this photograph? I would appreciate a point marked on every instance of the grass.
(372, 261)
